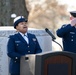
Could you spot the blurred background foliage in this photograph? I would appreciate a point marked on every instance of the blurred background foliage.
(40, 13)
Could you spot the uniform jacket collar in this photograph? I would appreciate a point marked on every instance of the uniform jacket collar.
(22, 39)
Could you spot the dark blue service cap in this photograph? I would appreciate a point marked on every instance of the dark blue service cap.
(19, 19)
(73, 13)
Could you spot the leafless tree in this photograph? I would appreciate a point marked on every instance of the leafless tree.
(9, 7)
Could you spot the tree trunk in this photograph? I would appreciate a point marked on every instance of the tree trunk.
(9, 7)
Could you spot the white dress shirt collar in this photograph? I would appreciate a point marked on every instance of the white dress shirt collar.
(25, 37)
(23, 34)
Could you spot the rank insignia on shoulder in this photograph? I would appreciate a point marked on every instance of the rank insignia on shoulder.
(63, 26)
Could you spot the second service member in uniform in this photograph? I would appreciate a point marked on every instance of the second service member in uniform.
(20, 44)
(68, 34)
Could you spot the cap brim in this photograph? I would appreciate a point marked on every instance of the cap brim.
(73, 14)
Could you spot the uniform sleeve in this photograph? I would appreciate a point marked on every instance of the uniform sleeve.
(64, 30)
(11, 52)
(38, 48)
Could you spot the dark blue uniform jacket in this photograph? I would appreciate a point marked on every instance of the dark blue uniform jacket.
(68, 35)
(18, 47)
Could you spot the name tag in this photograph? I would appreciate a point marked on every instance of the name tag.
(72, 32)
(17, 41)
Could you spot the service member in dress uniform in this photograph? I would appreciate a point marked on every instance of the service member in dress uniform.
(68, 34)
(20, 44)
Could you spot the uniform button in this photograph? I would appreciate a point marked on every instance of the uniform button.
(72, 36)
(28, 46)
(71, 39)
(16, 58)
(29, 51)
(17, 44)
(15, 61)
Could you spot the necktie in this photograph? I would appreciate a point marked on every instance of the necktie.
(26, 38)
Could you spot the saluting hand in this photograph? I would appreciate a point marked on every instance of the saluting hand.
(73, 22)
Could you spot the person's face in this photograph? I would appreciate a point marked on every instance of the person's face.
(22, 27)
